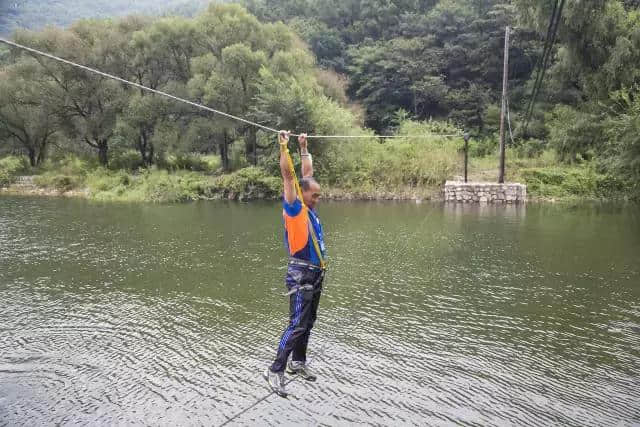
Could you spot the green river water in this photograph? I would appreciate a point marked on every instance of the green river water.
(432, 314)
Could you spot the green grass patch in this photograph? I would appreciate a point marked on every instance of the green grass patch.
(153, 185)
(160, 186)
(571, 182)
(547, 177)
(150, 185)
(375, 165)
(192, 162)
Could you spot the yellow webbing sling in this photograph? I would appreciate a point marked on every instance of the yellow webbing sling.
(312, 231)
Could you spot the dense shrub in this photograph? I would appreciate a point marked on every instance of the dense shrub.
(581, 181)
(60, 182)
(5, 178)
(388, 164)
(483, 147)
(103, 180)
(160, 186)
(191, 162)
(70, 165)
(65, 173)
(150, 185)
(530, 148)
(128, 160)
(10, 168)
(574, 134)
(247, 183)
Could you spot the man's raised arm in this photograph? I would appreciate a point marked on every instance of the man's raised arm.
(287, 174)
(305, 157)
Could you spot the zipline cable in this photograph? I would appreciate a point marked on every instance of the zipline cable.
(139, 86)
(230, 116)
(204, 107)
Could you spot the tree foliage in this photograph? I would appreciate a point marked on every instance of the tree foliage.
(594, 82)
(26, 115)
(397, 60)
(35, 14)
(443, 59)
(431, 58)
(224, 58)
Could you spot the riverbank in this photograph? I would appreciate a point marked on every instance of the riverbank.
(546, 180)
(27, 186)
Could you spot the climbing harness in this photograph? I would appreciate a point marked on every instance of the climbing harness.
(309, 286)
(302, 263)
(295, 289)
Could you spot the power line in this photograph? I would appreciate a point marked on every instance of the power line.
(551, 38)
(451, 135)
(540, 60)
(204, 107)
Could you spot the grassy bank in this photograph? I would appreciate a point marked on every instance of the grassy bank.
(159, 185)
(545, 178)
(548, 179)
(367, 168)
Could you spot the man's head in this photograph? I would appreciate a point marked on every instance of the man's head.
(310, 191)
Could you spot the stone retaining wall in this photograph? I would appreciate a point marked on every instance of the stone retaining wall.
(484, 192)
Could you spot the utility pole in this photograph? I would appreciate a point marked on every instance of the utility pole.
(505, 80)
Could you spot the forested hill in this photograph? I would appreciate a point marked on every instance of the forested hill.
(440, 59)
(443, 59)
(36, 14)
(397, 61)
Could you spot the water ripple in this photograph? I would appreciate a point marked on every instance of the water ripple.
(166, 315)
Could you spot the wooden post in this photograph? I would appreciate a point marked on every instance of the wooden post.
(505, 80)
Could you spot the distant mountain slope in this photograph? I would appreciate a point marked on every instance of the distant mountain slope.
(36, 14)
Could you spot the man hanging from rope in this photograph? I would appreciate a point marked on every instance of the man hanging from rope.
(305, 272)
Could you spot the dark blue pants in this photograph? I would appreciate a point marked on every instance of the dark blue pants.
(303, 309)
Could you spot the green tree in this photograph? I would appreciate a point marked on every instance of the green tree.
(159, 58)
(590, 86)
(88, 105)
(37, 14)
(623, 135)
(26, 116)
(229, 75)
